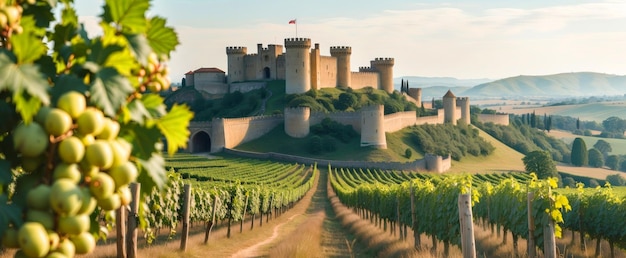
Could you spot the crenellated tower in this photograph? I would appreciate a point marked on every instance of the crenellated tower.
(416, 93)
(342, 53)
(464, 103)
(297, 65)
(236, 65)
(384, 67)
(449, 108)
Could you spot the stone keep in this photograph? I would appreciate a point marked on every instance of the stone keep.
(449, 108)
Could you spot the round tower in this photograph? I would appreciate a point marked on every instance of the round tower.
(342, 53)
(449, 108)
(297, 65)
(464, 103)
(416, 93)
(373, 127)
(236, 66)
(297, 121)
(384, 67)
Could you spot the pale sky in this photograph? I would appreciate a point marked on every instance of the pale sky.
(462, 39)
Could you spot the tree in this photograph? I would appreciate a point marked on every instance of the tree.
(58, 84)
(549, 124)
(577, 123)
(616, 180)
(596, 159)
(612, 161)
(579, 156)
(614, 125)
(603, 146)
(533, 120)
(345, 101)
(541, 163)
(183, 82)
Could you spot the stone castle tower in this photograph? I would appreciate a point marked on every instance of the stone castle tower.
(304, 68)
(464, 104)
(373, 127)
(297, 121)
(449, 108)
(297, 65)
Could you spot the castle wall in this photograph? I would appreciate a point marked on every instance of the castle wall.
(398, 121)
(189, 79)
(241, 130)
(364, 79)
(499, 119)
(416, 165)
(297, 123)
(431, 120)
(346, 118)
(328, 72)
(212, 88)
(416, 94)
(373, 126)
(250, 67)
(244, 87)
(208, 78)
(280, 67)
(316, 66)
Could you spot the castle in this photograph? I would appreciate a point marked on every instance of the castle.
(303, 69)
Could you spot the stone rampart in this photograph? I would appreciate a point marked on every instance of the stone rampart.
(244, 87)
(432, 120)
(241, 130)
(212, 88)
(328, 72)
(361, 80)
(499, 119)
(415, 165)
(398, 121)
(346, 118)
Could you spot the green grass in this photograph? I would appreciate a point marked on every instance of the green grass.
(279, 142)
(277, 100)
(618, 145)
(618, 190)
(595, 111)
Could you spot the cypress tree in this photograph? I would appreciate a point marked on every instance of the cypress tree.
(579, 156)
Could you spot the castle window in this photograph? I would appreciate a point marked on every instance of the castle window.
(296, 70)
(266, 58)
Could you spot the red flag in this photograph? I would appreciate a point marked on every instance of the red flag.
(292, 21)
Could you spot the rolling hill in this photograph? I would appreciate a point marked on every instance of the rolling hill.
(557, 85)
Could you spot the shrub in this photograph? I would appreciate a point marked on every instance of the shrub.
(579, 155)
(328, 144)
(315, 145)
(596, 159)
(408, 153)
(569, 181)
(615, 180)
(612, 162)
(593, 183)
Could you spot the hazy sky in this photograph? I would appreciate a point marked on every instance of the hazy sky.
(463, 39)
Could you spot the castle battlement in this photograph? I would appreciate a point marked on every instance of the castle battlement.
(382, 61)
(236, 50)
(298, 42)
(340, 50)
(462, 98)
(366, 69)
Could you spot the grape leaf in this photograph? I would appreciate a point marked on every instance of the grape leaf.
(27, 48)
(26, 105)
(68, 16)
(128, 15)
(139, 46)
(109, 90)
(162, 39)
(154, 103)
(5, 172)
(174, 126)
(143, 139)
(152, 173)
(25, 77)
(137, 111)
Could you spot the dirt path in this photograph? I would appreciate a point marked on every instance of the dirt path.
(254, 250)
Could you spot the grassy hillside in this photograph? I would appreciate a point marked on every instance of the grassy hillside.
(557, 85)
(618, 145)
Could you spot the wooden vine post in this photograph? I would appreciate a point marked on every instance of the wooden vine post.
(243, 217)
(120, 227)
(416, 235)
(549, 240)
(531, 227)
(210, 223)
(133, 215)
(468, 245)
(185, 218)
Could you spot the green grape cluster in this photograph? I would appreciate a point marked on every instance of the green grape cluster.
(10, 16)
(156, 74)
(84, 164)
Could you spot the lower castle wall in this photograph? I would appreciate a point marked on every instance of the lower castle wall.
(346, 118)
(422, 120)
(242, 130)
(398, 121)
(415, 165)
(499, 119)
(212, 88)
(363, 79)
(244, 87)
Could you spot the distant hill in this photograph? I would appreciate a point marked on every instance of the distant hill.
(557, 85)
(425, 82)
(438, 91)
